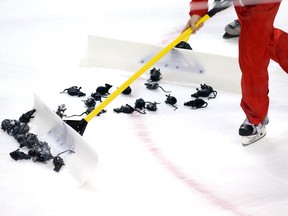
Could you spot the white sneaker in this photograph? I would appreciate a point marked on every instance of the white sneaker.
(251, 133)
(232, 30)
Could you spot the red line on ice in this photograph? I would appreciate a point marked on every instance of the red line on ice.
(143, 134)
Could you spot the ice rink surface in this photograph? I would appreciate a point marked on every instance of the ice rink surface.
(169, 162)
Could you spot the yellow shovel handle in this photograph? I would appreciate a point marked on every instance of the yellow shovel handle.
(142, 70)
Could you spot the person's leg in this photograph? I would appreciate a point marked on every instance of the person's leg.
(278, 48)
(256, 28)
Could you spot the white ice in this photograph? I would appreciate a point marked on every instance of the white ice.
(182, 162)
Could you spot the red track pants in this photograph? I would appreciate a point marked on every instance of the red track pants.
(259, 42)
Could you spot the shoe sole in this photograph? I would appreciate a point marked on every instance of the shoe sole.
(229, 36)
(247, 140)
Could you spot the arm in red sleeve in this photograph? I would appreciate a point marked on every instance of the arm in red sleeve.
(198, 7)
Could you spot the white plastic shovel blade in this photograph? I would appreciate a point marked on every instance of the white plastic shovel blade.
(60, 137)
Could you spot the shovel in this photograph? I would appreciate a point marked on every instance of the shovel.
(82, 159)
(62, 137)
(80, 125)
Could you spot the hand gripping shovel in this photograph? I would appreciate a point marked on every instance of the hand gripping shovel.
(80, 125)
